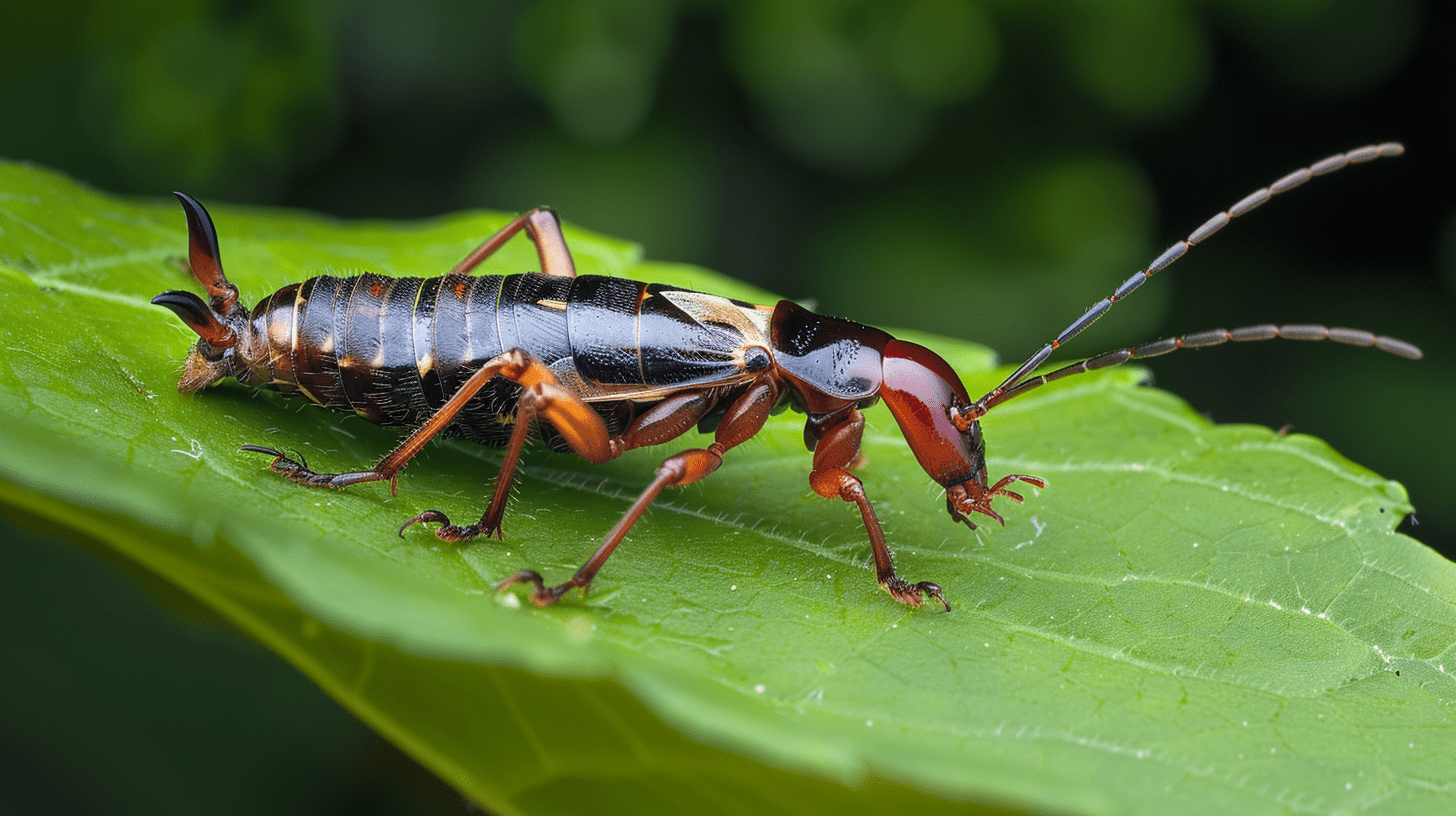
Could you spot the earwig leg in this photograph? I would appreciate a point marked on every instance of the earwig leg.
(837, 448)
(543, 228)
(573, 419)
(490, 520)
(295, 469)
(684, 468)
(541, 393)
(744, 418)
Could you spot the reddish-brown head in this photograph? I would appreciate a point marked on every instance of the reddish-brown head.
(920, 389)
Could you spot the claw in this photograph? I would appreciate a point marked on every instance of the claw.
(423, 518)
(933, 590)
(524, 576)
(542, 596)
(297, 470)
(913, 595)
(452, 533)
(263, 450)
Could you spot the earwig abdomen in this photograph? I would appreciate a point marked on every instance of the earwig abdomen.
(393, 350)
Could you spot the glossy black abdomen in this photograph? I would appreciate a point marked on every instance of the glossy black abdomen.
(393, 350)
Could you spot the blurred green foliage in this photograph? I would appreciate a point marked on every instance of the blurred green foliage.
(1033, 153)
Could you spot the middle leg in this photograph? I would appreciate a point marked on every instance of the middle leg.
(744, 418)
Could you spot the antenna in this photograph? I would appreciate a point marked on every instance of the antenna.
(1020, 382)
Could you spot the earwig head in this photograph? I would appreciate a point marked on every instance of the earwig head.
(930, 404)
(219, 322)
(921, 389)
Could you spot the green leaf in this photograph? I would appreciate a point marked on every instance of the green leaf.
(1190, 616)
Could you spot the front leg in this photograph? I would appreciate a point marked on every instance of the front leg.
(837, 448)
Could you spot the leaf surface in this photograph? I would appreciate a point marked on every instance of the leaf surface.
(1191, 615)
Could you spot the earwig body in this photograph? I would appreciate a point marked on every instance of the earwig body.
(393, 350)
(603, 365)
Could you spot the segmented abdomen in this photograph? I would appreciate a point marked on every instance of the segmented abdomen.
(393, 350)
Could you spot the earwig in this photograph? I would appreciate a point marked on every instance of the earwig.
(601, 365)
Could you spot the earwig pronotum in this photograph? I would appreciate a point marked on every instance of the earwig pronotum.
(602, 365)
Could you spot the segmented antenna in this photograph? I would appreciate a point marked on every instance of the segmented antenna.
(1212, 337)
(1019, 383)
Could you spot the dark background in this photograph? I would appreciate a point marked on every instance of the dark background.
(980, 169)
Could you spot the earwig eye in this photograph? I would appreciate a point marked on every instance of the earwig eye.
(755, 359)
